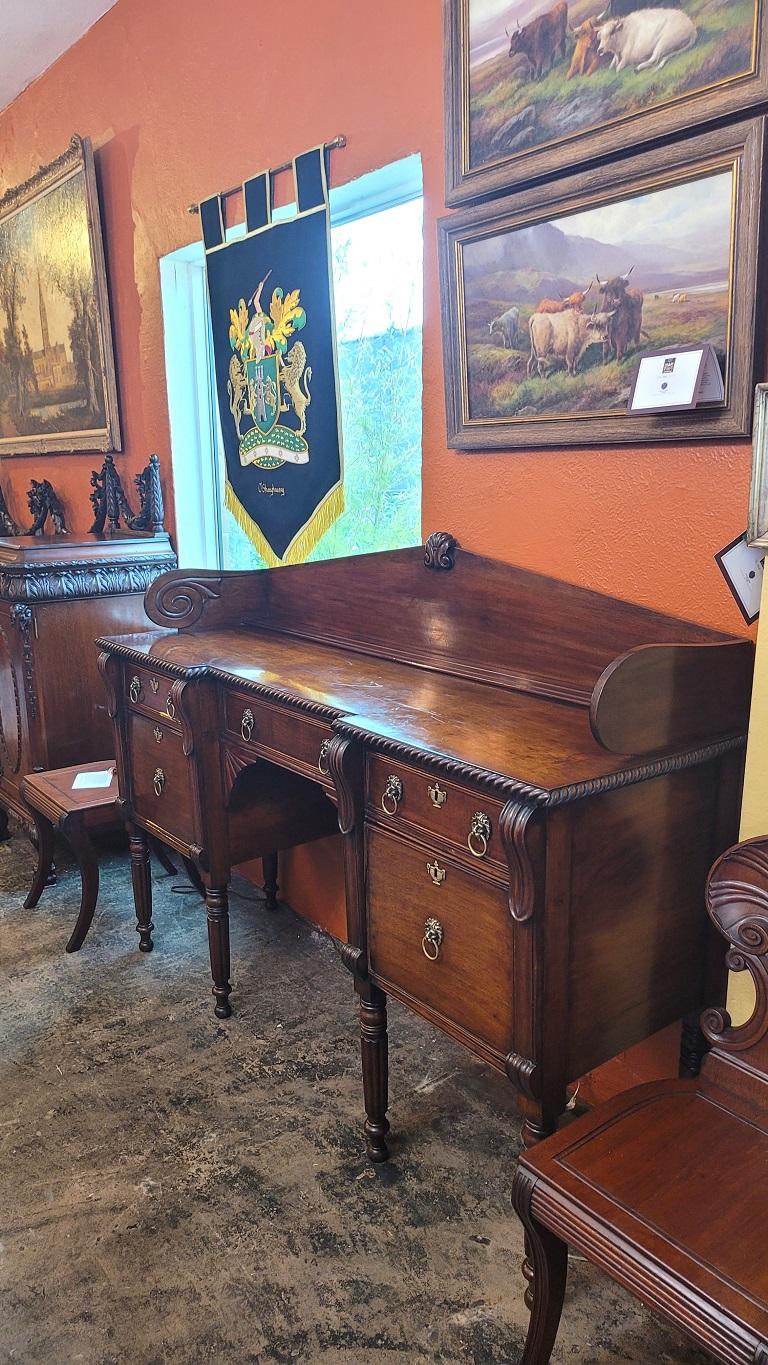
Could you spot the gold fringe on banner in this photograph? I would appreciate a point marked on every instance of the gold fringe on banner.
(303, 544)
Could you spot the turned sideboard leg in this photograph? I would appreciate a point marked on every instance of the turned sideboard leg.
(374, 1048)
(217, 905)
(548, 1261)
(142, 886)
(269, 873)
(44, 845)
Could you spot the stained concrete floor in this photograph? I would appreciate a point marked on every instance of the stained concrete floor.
(174, 1189)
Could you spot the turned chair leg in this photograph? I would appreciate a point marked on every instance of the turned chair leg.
(44, 845)
(142, 887)
(549, 1258)
(374, 1048)
(269, 873)
(217, 905)
(73, 828)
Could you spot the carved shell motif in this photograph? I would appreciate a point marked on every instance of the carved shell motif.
(439, 550)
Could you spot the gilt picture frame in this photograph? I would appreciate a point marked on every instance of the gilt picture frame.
(58, 390)
(534, 88)
(551, 296)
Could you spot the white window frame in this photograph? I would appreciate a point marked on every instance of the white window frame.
(192, 406)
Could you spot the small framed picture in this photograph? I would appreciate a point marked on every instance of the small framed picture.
(742, 566)
(757, 525)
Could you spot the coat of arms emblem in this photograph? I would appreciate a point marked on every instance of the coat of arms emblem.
(268, 378)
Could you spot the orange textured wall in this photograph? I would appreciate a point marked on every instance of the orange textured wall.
(183, 98)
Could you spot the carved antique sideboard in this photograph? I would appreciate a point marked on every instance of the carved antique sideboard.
(57, 593)
(531, 780)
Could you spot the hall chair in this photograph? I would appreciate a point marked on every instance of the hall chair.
(665, 1188)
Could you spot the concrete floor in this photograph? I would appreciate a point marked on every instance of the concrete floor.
(174, 1189)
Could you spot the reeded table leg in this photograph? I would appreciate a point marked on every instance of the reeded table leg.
(269, 872)
(374, 1048)
(142, 887)
(217, 904)
(73, 828)
(549, 1272)
(44, 832)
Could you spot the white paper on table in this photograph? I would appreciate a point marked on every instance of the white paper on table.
(91, 781)
(677, 379)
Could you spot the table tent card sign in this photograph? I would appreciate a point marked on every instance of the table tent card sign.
(274, 346)
(680, 378)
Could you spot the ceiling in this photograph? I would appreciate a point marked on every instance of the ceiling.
(33, 33)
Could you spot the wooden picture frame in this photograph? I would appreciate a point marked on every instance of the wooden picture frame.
(710, 185)
(58, 390)
(507, 120)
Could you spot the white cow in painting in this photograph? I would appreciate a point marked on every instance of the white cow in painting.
(563, 336)
(646, 39)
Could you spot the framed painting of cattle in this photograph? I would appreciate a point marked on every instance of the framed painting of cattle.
(552, 296)
(538, 87)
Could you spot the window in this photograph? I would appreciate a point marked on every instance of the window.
(376, 239)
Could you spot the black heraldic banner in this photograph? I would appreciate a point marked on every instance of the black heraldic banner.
(274, 346)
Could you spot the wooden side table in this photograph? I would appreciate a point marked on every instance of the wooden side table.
(54, 805)
(664, 1188)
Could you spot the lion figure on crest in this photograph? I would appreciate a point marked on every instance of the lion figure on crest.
(292, 369)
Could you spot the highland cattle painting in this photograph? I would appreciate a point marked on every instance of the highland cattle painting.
(553, 296)
(57, 386)
(542, 85)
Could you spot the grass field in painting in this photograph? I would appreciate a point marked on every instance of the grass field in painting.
(507, 115)
(500, 387)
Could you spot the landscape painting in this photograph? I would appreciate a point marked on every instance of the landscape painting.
(56, 368)
(549, 311)
(541, 85)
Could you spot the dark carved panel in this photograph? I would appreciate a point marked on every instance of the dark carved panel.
(50, 584)
(22, 619)
(10, 709)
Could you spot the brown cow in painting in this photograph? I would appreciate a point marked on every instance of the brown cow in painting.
(575, 300)
(626, 306)
(542, 41)
(586, 56)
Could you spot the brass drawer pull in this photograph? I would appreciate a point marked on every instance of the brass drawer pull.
(436, 872)
(158, 781)
(322, 757)
(154, 686)
(246, 724)
(392, 795)
(170, 709)
(433, 939)
(437, 796)
(134, 689)
(479, 834)
(157, 732)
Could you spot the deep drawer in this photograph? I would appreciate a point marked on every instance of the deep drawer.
(162, 778)
(398, 795)
(278, 732)
(470, 981)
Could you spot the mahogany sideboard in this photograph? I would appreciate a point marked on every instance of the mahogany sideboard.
(531, 779)
(57, 593)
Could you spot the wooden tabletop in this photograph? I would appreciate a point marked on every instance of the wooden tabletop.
(54, 788)
(543, 743)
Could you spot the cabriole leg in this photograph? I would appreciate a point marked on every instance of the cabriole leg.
(374, 1047)
(142, 887)
(269, 872)
(217, 905)
(44, 845)
(548, 1257)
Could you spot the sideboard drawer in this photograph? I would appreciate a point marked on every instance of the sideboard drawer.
(162, 778)
(397, 794)
(149, 692)
(470, 980)
(278, 731)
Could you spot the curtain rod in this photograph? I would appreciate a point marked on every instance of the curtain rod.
(335, 142)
